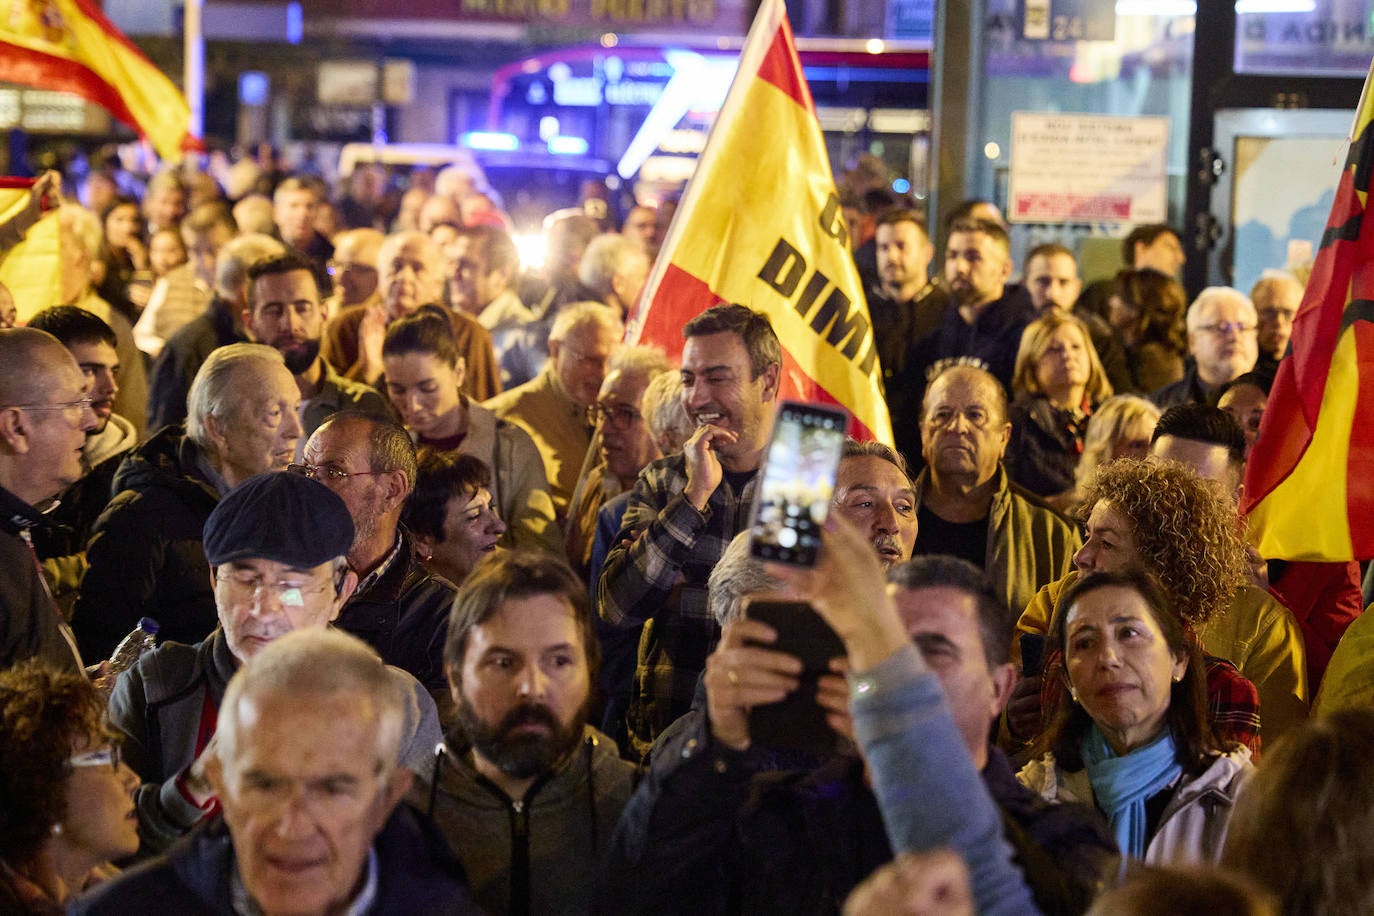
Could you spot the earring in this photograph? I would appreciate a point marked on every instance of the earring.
(1177, 678)
(1073, 693)
(56, 829)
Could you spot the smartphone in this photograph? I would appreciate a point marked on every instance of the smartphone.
(1032, 654)
(797, 483)
(797, 722)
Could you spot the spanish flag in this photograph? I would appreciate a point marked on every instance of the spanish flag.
(761, 225)
(69, 46)
(1309, 486)
(31, 269)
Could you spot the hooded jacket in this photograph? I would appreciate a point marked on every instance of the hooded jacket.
(146, 555)
(539, 855)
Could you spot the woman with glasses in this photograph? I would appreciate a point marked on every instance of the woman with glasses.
(66, 800)
(423, 379)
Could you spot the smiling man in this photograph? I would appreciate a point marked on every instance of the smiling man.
(146, 557)
(968, 507)
(306, 773)
(685, 508)
(527, 793)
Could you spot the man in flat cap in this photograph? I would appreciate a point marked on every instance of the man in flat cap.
(276, 547)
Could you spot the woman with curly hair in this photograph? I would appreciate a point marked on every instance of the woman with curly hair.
(66, 800)
(1057, 384)
(1182, 529)
(1132, 736)
(1304, 827)
(1146, 311)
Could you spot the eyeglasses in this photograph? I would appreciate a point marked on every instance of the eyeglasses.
(107, 756)
(251, 586)
(334, 268)
(1228, 327)
(83, 403)
(335, 474)
(617, 416)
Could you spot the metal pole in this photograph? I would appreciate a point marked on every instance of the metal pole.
(195, 65)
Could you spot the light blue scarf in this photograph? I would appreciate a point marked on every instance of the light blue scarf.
(1121, 785)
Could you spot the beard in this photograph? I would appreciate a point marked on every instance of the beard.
(300, 357)
(520, 756)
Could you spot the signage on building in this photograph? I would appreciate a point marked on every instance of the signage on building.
(44, 111)
(1068, 20)
(1329, 38)
(1077, 168)
(719, 17)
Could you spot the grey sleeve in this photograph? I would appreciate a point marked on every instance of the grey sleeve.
(422, 733)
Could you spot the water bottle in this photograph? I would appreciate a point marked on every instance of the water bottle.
(140, 639)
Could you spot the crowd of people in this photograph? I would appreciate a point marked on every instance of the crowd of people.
(453, 588)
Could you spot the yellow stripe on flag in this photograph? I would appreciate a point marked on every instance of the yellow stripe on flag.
(31, 269)
(1290, 523)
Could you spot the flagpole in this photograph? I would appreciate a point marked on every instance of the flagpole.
(194, 45)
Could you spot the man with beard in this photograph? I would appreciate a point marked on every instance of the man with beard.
(524, 790)
(400, 608)
(284, 312)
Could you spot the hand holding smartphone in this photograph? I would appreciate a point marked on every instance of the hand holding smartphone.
(799, 721)
(797, 482)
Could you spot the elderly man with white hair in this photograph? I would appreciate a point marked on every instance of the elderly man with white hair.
(1223, 342)
(306, 773)
(410, 274)
(615, 268)
(146, 557)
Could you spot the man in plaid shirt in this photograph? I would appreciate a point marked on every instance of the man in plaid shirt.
(685, 509)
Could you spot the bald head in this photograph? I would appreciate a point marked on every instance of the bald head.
(409, 272)
(43, 419)
(29, 360)
(355, 264)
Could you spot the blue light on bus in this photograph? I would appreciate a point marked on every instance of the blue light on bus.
(491, 140)
(568, 146)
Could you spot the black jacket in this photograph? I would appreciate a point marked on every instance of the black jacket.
(146, 554)
(417, 875)
(30, 625)
(712, 831)
(1045, 445)
(181, 359)
(404, 616)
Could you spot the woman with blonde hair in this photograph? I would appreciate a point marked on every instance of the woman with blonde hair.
(1057, 384)
(1119, 428)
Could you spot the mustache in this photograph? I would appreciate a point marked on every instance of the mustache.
(886, 542)
(527, 714)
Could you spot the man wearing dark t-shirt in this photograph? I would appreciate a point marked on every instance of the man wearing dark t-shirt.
(967, 505)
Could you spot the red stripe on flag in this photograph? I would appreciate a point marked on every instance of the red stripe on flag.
(798, 386)
(1284, 437)
(47, 71)
(781, 67)
(1360, 458)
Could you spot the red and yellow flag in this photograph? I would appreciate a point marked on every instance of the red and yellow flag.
(1309, 486)
(69, 46)
(761, 225)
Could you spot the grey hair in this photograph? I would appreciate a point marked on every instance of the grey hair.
(1213, 294)
(219, 389)
(663, 411)
(316, 662)
(580, 315)
(234, 259)
(736, 575)
(601, 261)
(640, 359)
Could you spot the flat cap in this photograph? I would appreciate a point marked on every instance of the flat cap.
(279, 516)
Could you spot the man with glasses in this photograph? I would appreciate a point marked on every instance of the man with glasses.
(1224, 345)
(553, 406)
(284, 312)
(967, 506)
(354, 270)
(45, 414)
(1277, 297)
(624, 446)
(400, 608)
(276, 546)
(146, 556)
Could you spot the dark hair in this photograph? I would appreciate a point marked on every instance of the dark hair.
(964, 211)
(1304, 826)
(944, 571)
(286, 263)
(753, 328)
(1188, 720)
(1203, 423)
(438, 478)
(498, 248)
(121, 200)
(994, 231)
(1161, 301)
(877, 201)
(1144, 235)
(1258, 379)
(389, 447)
(427, 330)
(1049, 250)
(72, 325)
(508, 575)
(903, 215)
(44, 715)
(1190, 891)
